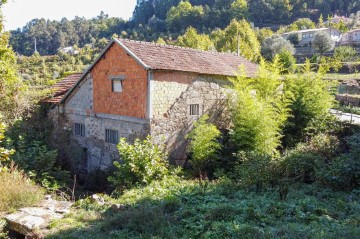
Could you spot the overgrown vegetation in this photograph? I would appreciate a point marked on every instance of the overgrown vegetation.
(17, 190)
(204, 146)
(178, 208)
(141, 163)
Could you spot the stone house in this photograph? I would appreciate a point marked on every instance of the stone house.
(306, 37)
(138, 88)
(351, 38)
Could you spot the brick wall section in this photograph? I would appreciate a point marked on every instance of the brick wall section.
(130, 102)
(167, 86)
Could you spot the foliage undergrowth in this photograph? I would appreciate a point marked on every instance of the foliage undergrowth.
(141, 162)
(17, 190)
(178, 208)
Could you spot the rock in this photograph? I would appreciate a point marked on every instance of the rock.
(33, 221)
(118, 207)
(47, 197)
(97, 199)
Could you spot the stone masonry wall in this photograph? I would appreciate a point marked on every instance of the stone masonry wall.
(166, 88)
(176, 122)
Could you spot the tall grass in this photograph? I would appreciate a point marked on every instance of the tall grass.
(17, 190)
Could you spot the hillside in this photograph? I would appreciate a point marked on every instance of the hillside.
(169, 19)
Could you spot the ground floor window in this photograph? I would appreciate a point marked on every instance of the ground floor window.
(111, 136)
(194, 109)
(79, 129)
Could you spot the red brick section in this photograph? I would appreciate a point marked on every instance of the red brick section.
(175, 76)
(163, 57)
(63, 86)
(130, 102)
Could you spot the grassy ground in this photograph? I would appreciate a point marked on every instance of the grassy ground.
(178, 208)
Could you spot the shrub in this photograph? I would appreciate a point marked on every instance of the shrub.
(39, 162)
(17, 190)
(345, 54)
(203, 145)
(301, 166)
(343, 172)
(4, 153)
(253, 169)
(141, 163)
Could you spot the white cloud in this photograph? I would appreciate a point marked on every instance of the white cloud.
(18, 12)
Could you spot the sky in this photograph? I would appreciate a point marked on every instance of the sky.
(18, 12)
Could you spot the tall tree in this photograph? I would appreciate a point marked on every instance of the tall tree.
(194, 40)
(11, 87)
(238, 35)
(323, 42)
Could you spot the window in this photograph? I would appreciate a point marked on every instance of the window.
(117, 86)
(116, 83)
(111, 136)
(194, 109)
(79, 129)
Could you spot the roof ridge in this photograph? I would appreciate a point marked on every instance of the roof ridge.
(179, 47)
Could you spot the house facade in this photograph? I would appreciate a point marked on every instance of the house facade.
(306, 37)
(351, 38)
(136, 88)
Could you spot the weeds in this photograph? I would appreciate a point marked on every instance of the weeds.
(17, 190)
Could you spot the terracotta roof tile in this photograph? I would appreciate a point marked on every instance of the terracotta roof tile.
(165, 57)
(63, 86)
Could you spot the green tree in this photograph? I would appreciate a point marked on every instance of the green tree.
(238, 33)
(323, 42)
(311, 102)
(345, 54)
(321, 21)
(194, 40)
(259, 110)
(239, 9)
(183, 16)
(11, 87)
(275, 45)
(203, 144)
(263, 33)
(4, 153)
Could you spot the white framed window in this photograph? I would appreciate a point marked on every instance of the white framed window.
(117, 83)
(117, 86)
(79, 129)
(194, 109)
(111, 136)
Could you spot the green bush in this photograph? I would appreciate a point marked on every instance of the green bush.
(141, 163)
(254, 169)
(203, 144)
(345, 54)
(301, 166)
(39, 162)
(343, 172)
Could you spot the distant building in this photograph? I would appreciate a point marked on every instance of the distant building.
(337, 19)
(69, 50)
(306, 37)
(351, 38)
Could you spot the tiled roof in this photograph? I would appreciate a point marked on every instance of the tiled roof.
(164, 57)
(63, 86)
